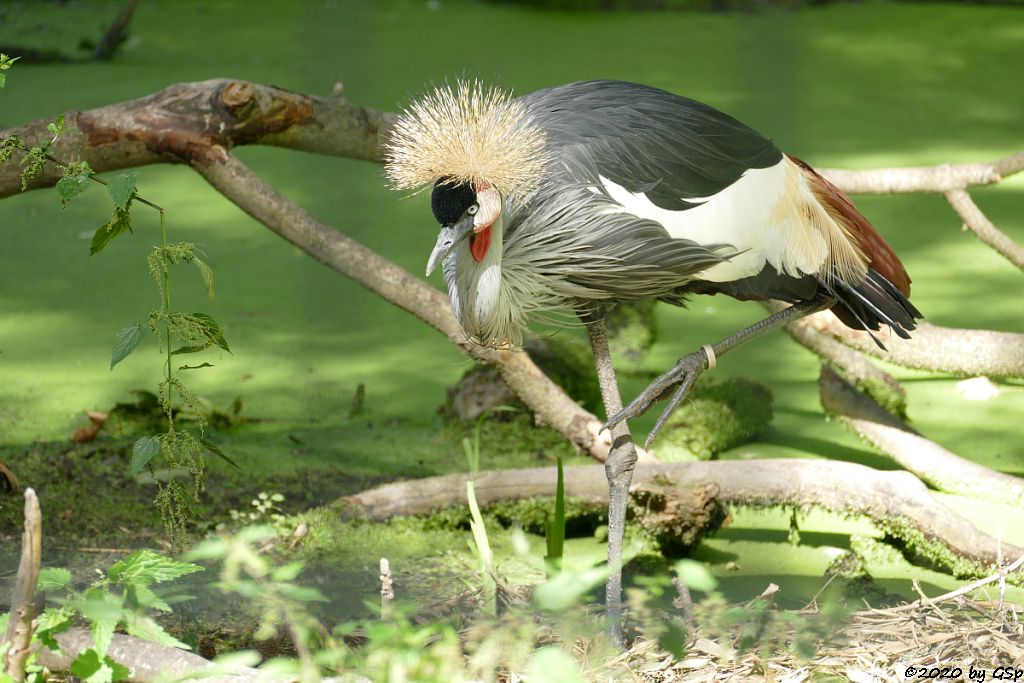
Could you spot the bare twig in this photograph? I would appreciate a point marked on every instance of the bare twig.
(941, 178)
(963, 590)
(20, 625)
(978, 223)
(116, 34)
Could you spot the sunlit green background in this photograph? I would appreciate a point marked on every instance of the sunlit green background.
(849, 85)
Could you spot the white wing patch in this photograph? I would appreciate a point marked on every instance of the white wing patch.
(770, 214)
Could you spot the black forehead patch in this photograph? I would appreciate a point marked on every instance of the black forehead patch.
(449, 202)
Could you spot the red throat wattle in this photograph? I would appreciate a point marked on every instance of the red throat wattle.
(479, 243)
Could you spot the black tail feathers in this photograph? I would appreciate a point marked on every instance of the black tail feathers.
(871, 303)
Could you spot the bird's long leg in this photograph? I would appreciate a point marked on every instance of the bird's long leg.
(618, 468)
(686, 371)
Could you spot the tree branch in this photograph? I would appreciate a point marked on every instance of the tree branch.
(978, 223)
(260, 200)
(941, 178)
(897, 502)
(116, 34)
(931, 462)
(865, 375)
(185, 122)
(939, 349)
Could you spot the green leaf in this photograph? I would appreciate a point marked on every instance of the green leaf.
(301, 593)
(191, 349)
(553, 665)
(55, 127)
(145, 567)
(88, 666)
(288, 572)
(120, 672)
(555, 535)
(215, 449)
(233, 663)
(673, 639)
(144, 627)
(207, 274)
(103, 633)
(568, 588)
(70, 186)
(144, 597)
(695, 575)
(196, 367)
(121, 189)
(142, 452)
(210, 549)
(51, 622)
(212, 330)
(104, 610)
(125, 341)
(119, 223)
(5, 64)
(52, 579)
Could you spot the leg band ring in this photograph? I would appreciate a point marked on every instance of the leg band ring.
(710, 353)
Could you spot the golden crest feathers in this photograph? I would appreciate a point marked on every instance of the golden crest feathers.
(470, 134)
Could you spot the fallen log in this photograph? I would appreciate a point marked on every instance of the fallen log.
(898, 503)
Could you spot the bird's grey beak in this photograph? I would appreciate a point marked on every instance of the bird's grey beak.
(450, 237)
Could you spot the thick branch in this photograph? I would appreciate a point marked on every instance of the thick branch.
(187, 121)
(18, 636)
(978, 223)
(939, 349)
(931, 462)
(396, 285)
(941, 178)
(897, 502)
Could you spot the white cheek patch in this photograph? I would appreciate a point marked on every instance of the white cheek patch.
(489, 202)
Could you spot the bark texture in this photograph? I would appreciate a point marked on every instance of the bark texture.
(24, 609)
(898, 502)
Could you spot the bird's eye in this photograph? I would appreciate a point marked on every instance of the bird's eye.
(473, 208)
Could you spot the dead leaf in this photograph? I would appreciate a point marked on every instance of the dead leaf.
(88, 432)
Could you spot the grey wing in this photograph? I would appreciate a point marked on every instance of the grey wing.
(675, 150)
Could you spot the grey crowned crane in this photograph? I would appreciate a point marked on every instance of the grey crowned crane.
(584, 195)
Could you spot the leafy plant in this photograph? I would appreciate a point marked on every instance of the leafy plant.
(122, 598)
(5, 64)
(272, 593)
(177, 333)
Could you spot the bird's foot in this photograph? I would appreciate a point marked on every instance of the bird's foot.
(684, 374)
